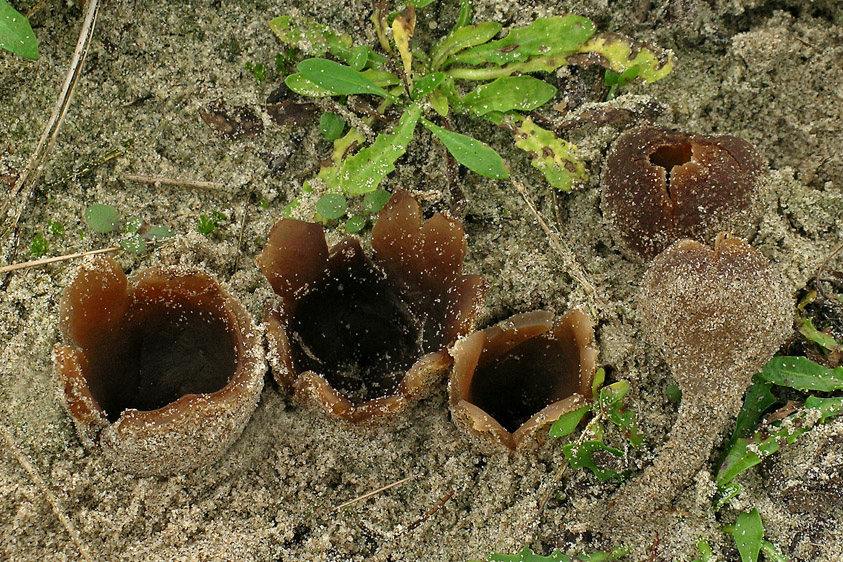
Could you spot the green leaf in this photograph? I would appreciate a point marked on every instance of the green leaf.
(567, 423)
(101, 218)
(542, 38)
(158, 233)
(331, 125)
(521, 93)
(133, 224)
(364, 171)
(580, 456)
(725, 494)
(802, 374)
(339, 79)
(616, 52)
(825, 341)
(673, 393)
(527, 555)
(16, 35)
(427, 84)
(133, 243)
(471, 153)
(331, 206)
(355, 224)
(772, 553)
(375, 200)
(758, 399)
(304, 87)
(749, 451)
(439, 102)
(39, 246)
(462, 38)
(748, 532)
(705, 551)
(555, 158)
(381, 78)
(610, 400)
(599, 379)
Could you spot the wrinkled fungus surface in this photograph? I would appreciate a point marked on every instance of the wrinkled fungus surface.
(160, 373)
(360, 337)
(514, 379)
(716, 316)
(659, 186)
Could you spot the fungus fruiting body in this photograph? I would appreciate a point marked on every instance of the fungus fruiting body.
(160, 372)
(716, 316)
(361, 337)
(660, 186)
(513, 380)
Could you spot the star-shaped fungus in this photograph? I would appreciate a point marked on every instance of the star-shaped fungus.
(660, 186)
(361, 337)
(511, 381)
(161, 372)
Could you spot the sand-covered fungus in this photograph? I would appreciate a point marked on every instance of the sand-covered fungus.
(511, 381)
(161, 372)
(716, 316)
(360, 338)
(659, 186)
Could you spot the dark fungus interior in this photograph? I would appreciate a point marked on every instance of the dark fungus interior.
(355, 331)
(164, 349)
(669, 156)
(516, 385)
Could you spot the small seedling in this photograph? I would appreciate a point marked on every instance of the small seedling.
(105, 218)
(39, 246)
(258, 71)
(748, 532)
(207, 224)
(16, 35)
(56, 229)
(608, 407)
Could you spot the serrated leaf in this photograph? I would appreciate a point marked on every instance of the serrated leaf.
(302, 86)
(542, 38)
(339, 78)
(471, 153)
(802, 374)
(460, 39)
(519, 93)
(364, 171)
(616, 53)
(16, 35)
(748, 532)
(101, 218)
(555, 158)
(567, 423)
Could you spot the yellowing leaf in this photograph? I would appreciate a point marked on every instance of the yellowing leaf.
(403, 27)
(554, 157)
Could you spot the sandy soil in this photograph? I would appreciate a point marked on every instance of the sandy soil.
(770, 72)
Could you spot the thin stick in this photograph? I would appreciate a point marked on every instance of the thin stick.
(46, 492)
(27, 181)
(569, 260)
(373, 492)
(428, 514)
(158, 181)
(67, 257)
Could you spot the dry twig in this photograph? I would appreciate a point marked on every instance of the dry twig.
(159, 181)
(373, 492)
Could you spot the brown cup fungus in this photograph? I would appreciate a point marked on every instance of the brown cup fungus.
(359, 338)
(160, 373)
(511, 381)
(716, 316)
(660, 186)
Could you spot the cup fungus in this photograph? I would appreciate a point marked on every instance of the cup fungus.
(717, 316)
(511, 381)
(359, 338)
(160, 373)
(660, 186)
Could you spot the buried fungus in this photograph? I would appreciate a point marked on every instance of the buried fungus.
(360, 338)
(161, 372)
(660, 186)
(716, 316)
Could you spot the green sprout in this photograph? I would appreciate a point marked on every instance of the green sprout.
(16, 35)
(137, 235)
(468, 72)
(56, 229)
(258, 71)
(748, 532)
(39, 246)
(527, 555)
(205, 225)
(608, 407)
